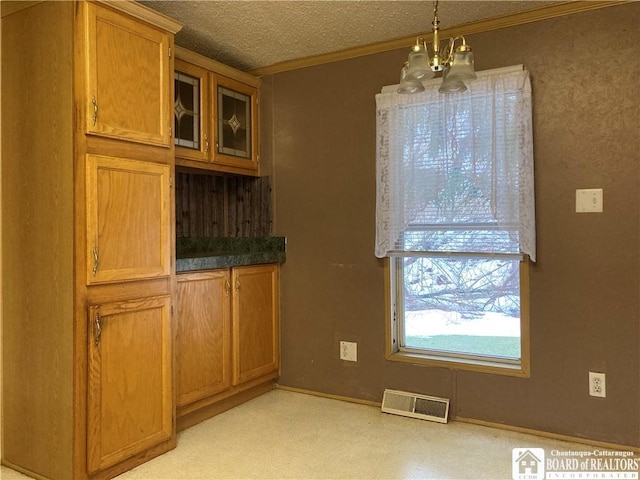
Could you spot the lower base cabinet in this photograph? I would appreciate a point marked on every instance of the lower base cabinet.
(130, 390)
(203, 345)
(228, 334)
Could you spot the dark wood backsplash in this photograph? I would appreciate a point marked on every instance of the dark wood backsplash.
(222, 206)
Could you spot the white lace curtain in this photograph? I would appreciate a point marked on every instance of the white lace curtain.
(455, 172)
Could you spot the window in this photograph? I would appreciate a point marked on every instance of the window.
(455, 215)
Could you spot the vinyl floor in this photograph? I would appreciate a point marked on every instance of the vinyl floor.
(287, 435)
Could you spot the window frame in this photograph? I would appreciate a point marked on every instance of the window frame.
(388, 245)
(394, 352)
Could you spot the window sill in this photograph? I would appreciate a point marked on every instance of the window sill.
(489, 367)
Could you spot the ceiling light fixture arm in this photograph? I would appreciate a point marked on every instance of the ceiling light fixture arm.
(453, 61)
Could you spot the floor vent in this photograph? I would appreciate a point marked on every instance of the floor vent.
(414, 405)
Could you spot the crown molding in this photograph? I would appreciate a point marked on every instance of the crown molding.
(522, 18)
(215, 66)
(135, 9)
(144, 13)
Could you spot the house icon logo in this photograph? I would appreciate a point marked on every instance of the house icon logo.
(528, 463)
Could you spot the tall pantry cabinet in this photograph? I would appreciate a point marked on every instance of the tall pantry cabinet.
(87, 235)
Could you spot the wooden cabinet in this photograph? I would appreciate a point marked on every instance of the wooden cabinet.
(235, 107)
(191, 112)
(127, 78)
(128, 219)
(228, 338)
(203, 346)
(215, 115)
(80, 196)
(255, 322)
(130, 390)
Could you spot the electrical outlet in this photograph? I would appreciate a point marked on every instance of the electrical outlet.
(597, 384)
(349, 351)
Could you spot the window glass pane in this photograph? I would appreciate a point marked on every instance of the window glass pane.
(461, 305)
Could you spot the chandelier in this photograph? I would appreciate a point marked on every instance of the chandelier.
(455, 61)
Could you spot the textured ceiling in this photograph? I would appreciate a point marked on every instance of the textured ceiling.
(247, 34)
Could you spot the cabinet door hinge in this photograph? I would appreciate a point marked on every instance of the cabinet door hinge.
(171, 180)
(169, 52)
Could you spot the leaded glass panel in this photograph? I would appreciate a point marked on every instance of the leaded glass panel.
(234, 123)
(187, 111)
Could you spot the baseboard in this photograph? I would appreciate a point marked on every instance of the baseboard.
(135, 461)
(192, 418)
(554, 436)
(184, 410)
(109, 472)
(329, 395)
(24, 471)
(483, 423)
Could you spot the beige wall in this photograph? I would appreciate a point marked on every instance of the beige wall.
(585, 308)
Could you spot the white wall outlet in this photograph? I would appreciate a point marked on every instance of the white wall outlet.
(349, 351)
(597, 384)
(589, 200)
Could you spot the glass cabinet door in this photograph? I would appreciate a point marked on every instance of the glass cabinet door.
(190, 112)
(187, 111)
(234, 123)
(235, 117)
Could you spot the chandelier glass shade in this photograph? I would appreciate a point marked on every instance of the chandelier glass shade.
(455, 61)
(409, 84)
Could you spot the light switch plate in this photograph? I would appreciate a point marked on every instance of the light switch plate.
(589, 200)
(349, 351)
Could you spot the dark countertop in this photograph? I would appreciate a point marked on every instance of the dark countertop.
(194, 254)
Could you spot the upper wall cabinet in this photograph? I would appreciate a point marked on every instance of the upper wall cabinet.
(235, 106)
(215, 115)
(191, 111)
(127, 78)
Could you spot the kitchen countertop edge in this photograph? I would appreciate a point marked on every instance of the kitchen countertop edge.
(189, 264)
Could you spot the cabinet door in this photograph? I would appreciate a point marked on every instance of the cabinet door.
(191, 112)
(255, 322)
(128, 219)
(203, 341)
(235, 107)
(130, 407)
(127, 78)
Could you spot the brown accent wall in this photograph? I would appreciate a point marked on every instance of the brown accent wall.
(585, 308)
